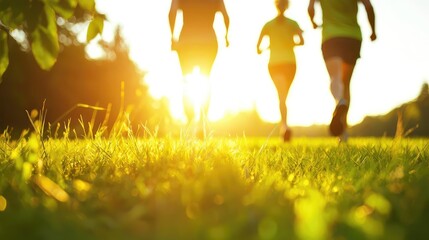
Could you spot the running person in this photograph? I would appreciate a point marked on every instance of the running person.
(282, 64)
(197, 44)
(341, 44)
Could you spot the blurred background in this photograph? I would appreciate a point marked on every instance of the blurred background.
(129, 73)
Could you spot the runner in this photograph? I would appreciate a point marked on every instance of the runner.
(197, 45)
(282, 64)
(341, 44)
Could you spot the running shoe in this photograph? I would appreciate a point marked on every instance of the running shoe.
(287, 135)
(337, 125)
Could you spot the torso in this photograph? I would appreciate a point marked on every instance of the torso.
(340, 19)
(198, 18)
(281, 33)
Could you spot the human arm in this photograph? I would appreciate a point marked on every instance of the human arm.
(371, 17)
(311, 13)
(297, 37)
(226, 20)
(261, 36)
(172, 20)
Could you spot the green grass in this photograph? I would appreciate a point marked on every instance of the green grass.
(238, 188)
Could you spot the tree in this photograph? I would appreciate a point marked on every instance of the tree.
(424, 92)
(74, 86)
(409, 119)
(37, 21)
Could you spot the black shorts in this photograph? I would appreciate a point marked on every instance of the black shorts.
(346, 48)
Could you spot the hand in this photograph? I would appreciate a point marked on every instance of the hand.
(226, 40)
(258, 51)
(373, 36)
(315, 26)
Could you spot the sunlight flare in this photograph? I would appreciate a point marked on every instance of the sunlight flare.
(197, 89)
(240, 81)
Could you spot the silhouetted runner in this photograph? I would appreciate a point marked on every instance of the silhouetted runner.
(282, 64)
(341, 45)
(197, 45)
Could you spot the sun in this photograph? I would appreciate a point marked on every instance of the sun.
(197, 88)
(239, 80)
(197, 91)
(230, 87)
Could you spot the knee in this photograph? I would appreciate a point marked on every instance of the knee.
(337, 84)
(336, 80)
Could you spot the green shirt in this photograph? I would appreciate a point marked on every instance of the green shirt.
(340, 19)
(281, 32)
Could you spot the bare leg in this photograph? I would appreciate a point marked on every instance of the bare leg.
(204, 109)
(188, 105)
(340, 74)
(347, 75)
(282, 77)
(336, 74)
(282, 88)
(283, 110)
(283, 93)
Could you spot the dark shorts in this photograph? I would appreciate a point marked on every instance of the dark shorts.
(193, 55)
(346, 48)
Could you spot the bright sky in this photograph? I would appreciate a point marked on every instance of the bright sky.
(390, 72)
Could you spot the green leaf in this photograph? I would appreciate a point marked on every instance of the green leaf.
(44, 38)
(87, 4)
(12, 12)
(64, 8)
(4, 53)
(95, 27)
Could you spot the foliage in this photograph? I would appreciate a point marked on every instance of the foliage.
(411, 118)
(37, 19)
(4, 51)
(114, 85)
(152, 188)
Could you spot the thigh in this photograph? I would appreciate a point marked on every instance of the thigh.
(207, 58)
(197, 55)
(334, 65)
(282, 74)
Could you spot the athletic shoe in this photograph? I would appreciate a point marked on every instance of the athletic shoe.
(287, 135)
(337, 125)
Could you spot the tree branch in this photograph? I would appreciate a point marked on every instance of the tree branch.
(4, 28)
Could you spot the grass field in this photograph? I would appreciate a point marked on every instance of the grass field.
(237, 188)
